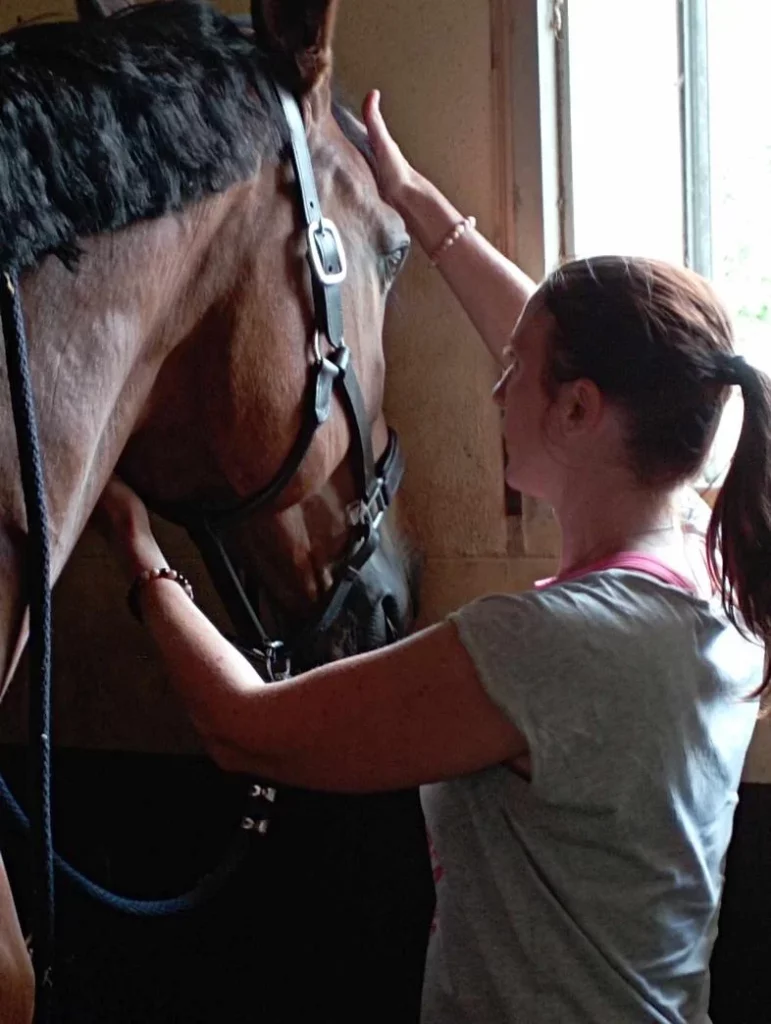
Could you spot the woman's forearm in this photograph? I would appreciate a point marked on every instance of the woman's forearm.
(207, 672)
(410, 713)
(492, 290)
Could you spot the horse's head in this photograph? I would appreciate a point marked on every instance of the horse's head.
(235, 393)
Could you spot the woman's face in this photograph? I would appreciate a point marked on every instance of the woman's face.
(522, 397)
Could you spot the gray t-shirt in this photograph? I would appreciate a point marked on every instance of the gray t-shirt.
(591, 894)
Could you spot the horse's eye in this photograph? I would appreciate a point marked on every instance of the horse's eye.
(392, 262)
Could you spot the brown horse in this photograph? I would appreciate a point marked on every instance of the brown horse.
(145, 195)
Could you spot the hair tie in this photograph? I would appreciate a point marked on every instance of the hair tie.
(733, 369)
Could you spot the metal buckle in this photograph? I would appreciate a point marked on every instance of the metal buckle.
(317, 348)
(278, 663)
(360, 513)
(256, 818)
(381, 500)
(337, 361)
(258, 792)
(326, 277)
(259, 825)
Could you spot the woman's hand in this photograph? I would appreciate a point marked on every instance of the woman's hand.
(121, 517)
(394, 171)
(491, 289)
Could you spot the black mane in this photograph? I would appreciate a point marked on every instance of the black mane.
(108, 122)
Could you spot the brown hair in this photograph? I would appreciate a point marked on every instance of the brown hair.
(656, 340)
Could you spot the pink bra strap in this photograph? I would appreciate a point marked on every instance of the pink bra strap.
(636, 561)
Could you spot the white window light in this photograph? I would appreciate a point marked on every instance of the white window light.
(668, 150)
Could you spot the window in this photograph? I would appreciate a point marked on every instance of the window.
(623, 137)
(666, 150)
(739, 84)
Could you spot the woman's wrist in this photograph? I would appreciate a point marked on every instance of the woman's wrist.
(408, 193)
(148, 580)
(122, 519)
(139, 551)
(430, 217)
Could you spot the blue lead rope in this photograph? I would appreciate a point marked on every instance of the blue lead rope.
(208, 887)
(37, 576)
(37, 588)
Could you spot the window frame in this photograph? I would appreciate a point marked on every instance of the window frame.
(695, 130)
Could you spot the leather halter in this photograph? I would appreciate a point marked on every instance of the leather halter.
(330, 373)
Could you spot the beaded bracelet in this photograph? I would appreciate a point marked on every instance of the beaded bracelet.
(148, 576)
(456, 232)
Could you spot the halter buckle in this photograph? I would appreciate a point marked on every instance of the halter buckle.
(278, 663)
(326, 275)
(380, 501)
(259, 825)
(360, 514)
(370, 510)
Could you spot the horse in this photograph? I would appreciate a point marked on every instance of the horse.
(148, 205)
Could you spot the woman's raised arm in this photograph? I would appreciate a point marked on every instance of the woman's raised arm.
(492, 290)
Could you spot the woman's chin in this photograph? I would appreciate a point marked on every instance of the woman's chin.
(520, 481)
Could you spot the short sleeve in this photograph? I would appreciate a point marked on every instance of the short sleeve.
(585, 670)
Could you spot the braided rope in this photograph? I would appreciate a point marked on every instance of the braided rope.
(37, 576)
(37, 579)
(13, 817)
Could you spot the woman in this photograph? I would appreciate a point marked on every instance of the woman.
(582, 743)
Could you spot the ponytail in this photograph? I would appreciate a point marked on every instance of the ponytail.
(739, 533)
(658, 343)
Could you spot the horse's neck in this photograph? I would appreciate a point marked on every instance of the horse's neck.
(96, 340)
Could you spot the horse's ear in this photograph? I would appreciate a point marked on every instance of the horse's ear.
(301, 30)
(95, 10)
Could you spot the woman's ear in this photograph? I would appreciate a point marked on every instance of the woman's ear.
(582, 406)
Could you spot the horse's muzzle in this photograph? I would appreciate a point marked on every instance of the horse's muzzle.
(380, 608)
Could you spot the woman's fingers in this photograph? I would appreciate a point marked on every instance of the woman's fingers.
(122, 519)
(380, 137)
(373, 118)
(393, 169)
(121, 505)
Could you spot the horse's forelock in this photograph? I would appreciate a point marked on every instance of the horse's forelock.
(108, 122)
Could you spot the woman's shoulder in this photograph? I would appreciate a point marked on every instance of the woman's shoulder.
(602, 597)
(599, 616)
(614, 622)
